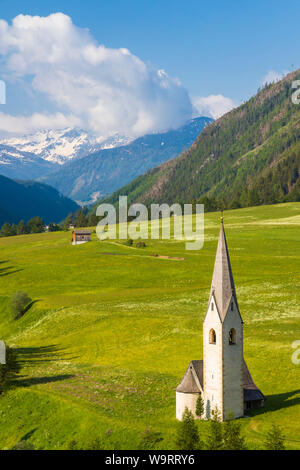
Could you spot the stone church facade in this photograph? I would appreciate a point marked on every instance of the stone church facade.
(222, 377)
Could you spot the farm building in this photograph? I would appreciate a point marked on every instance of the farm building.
(81, 236)
(222, 378)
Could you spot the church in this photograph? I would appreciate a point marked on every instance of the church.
(222, 377)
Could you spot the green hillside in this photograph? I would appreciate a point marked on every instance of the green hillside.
(250, 156)
(22, 200)
(113, 329)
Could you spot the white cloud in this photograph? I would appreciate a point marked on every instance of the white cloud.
(36, 121)
(102, 90)
(272, 76)
(213, 105)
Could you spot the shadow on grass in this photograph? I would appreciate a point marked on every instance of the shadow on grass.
(30, 356)
(277, 402)
(28, 382)
(28, 307)
(28, 435)
(9, 270)
(36, 357)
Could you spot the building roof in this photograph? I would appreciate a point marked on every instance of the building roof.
(192, 382)
(82, 232)
(222, 285)
(251, 391)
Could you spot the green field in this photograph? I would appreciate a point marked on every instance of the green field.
(113, 329)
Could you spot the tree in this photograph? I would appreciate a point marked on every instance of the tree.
(5, 230)
(150, 439)
(21, 228)
(35, 225)
(200, 406)
(232, 438)
(19, 302)
(54, 227)
(93, 220)
(81, 219)
(215, 434)
(68, 222)
(187, 433)
(275, 439)
(13, 229)
(9, 369)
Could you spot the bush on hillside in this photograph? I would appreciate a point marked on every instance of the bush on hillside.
(140, 245)
(18, 304)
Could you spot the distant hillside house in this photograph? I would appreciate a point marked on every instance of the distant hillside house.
(222, 378)
(81, 236)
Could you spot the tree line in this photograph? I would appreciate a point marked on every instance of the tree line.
(81, 218)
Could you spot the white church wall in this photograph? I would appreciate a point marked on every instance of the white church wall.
(184, 400)
(233, 396)
(212, 356)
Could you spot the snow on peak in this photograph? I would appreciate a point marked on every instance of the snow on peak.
(61, 146)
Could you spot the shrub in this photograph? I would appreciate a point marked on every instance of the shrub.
(23, 445)
(18, 304)
(275, 439)
(232, 436)
(215, 434)
(187, 433)
(150, 439)
(200, 406)
(140, 245)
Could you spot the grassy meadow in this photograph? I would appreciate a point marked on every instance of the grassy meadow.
(113, 329)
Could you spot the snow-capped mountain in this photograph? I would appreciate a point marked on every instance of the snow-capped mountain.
(106, 170)
(60, 146)
(16, 164)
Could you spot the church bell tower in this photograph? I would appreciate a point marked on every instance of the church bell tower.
(222, 378)
(223, 341)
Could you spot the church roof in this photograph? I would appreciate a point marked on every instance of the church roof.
(222, 285)
(192, 382)
(251, 391)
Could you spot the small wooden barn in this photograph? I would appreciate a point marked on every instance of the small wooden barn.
(81, 236)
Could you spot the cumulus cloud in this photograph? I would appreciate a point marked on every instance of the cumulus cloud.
(272, 76)
(100, 89)
(213, 105)
(35, 122)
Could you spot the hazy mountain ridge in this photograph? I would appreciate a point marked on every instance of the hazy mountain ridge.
(107, 170)
(26, 199)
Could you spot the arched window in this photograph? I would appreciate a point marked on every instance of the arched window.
(232, 336)
(212, 336)
(212, 305)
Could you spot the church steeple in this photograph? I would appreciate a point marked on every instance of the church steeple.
(222, 285)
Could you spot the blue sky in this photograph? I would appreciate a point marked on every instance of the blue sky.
(214, 47)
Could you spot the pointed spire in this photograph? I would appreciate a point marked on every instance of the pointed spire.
(222, 285)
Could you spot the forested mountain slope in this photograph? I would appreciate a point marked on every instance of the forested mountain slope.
(247, 157)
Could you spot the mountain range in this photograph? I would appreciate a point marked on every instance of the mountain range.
(61, 146)
(26, 199)
(249, 156)
(103, 172)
